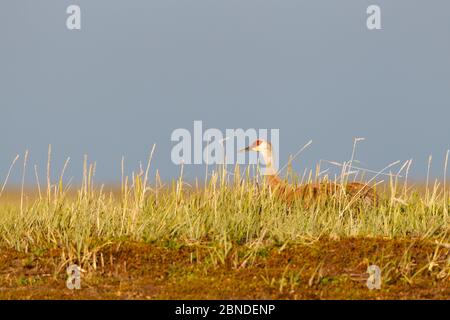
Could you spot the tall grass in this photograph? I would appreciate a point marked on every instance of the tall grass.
(230, 208)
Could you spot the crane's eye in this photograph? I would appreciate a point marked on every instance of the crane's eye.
(258, 142)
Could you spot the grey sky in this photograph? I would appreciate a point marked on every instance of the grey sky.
(139, 69)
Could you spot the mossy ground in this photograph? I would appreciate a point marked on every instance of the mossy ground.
(324, 269)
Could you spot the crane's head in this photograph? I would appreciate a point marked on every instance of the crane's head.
(259, 145)
(265, 149)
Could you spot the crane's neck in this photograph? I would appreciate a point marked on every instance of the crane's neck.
(268, 161)
(270, 171)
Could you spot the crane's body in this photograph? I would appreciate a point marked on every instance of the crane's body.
(308, 191)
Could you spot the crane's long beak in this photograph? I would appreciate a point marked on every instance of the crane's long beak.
(245, 149)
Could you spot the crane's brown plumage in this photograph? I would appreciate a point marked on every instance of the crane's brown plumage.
(313, 191)
(310, 191)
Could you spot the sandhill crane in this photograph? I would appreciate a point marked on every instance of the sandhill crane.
(308, 191)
